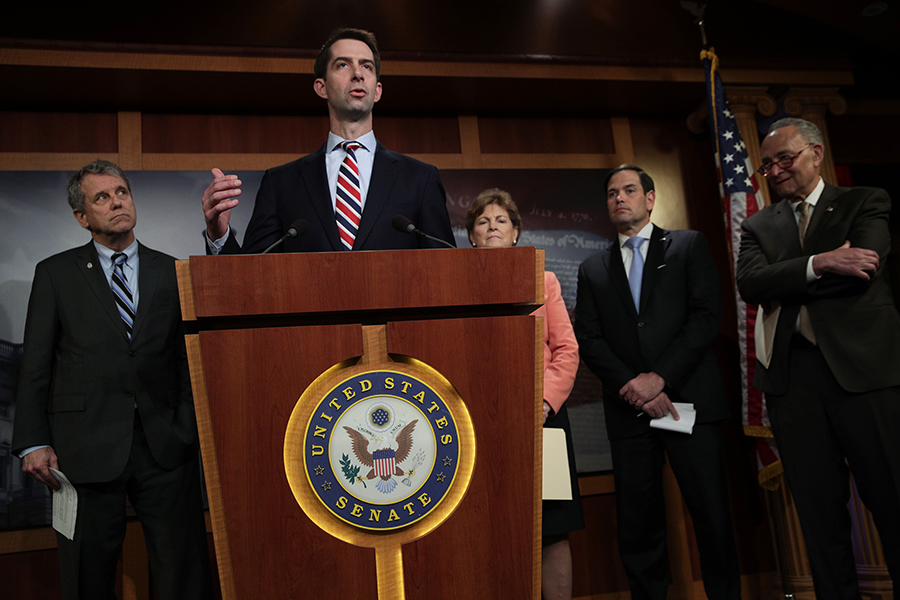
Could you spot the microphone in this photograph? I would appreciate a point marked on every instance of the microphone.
(297, 229)
(404, 225)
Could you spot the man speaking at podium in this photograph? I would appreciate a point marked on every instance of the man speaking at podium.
(350, 189)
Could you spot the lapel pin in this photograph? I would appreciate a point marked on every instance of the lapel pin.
(660, 267)
(829, 209)
(90, 265)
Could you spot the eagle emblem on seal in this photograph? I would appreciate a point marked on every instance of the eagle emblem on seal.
(384, 462)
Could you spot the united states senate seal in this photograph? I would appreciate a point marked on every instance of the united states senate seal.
(381, 450)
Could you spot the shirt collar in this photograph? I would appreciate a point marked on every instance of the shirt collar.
(105, 254)
(367, 140)
(813, 196)
(645, 233)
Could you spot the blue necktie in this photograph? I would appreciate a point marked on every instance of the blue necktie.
(124, 300)
(636, 273)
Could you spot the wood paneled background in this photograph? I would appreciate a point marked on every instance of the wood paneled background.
(205, 131)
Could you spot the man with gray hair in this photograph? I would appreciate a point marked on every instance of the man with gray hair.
(815, 262)
(104, 397)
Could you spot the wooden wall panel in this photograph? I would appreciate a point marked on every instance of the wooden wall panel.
(682, 165)
(419, 135)
(232, 134)
(595, 551)
(546, 135)
(30, 575)
(58, 132)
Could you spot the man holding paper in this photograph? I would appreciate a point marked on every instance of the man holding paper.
(104, 397)
(649, 307)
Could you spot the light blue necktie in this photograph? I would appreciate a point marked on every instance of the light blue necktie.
(636, 273)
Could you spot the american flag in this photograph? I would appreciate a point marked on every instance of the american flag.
(740, 199)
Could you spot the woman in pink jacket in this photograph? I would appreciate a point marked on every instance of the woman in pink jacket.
(493, 221)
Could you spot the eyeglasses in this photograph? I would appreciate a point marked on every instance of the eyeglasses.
(784, 162)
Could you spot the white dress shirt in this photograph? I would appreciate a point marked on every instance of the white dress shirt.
(628, 253)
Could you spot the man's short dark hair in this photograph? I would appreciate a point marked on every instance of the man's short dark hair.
(346, 33)
(98, 167)
(646, 180)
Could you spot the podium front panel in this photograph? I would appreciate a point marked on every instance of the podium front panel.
(488, 548)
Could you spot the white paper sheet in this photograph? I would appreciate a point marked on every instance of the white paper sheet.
(65, 506)
(685, 423)
(764, 332)
(556, 482)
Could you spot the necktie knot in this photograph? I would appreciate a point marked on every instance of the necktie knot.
(119, 261)
(351, 147)
(635, 243)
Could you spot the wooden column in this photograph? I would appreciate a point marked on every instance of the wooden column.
(793, 563)
(745, 103)
(130, 142)
(871, 567)
(812, 104)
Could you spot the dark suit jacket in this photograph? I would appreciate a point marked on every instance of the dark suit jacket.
(856, 323)
(681, 310)
(81, 377)
(299, 190)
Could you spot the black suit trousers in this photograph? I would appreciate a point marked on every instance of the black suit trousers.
(821, 429)
(698, 463)
(169, 505)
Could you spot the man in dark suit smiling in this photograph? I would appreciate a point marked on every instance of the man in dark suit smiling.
(351, 188)
(104, 396)
(832, 384)
(648, 310)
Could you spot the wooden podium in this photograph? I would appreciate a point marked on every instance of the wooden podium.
(264, 331)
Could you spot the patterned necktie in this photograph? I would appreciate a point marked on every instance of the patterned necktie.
(124, 299)
(806, 328)
(348, 204)
(636, 272)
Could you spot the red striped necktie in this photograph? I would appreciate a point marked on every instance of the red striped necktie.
(348, 205)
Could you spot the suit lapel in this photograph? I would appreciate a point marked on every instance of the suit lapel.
(785, 228)
(617, 277)
(90, 267)
(315, 176)
(824, 207)
(384, 172)
(656, 254)
(148, 283)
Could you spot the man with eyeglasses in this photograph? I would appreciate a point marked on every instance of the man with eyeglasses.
(832, 381)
